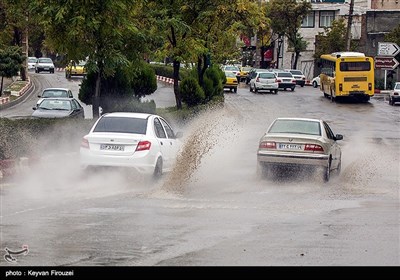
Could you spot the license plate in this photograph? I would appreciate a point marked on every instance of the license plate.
(289, 147)
(111, 147)
(286, 80)
(46, 68)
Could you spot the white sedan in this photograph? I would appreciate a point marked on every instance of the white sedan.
(145, 142)
(299, 142)
(315, 82)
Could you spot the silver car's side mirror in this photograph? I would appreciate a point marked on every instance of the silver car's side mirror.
(339, 137)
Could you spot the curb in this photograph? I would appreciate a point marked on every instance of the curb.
(166, 80)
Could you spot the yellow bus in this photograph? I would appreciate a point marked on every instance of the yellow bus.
(347, 75)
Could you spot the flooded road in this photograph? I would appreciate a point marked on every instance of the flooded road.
(213, 209)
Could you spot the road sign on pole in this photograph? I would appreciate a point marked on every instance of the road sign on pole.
(386, 62)
(388, 49)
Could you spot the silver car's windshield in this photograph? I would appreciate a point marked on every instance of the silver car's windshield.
(295, 72)
(296, 127)
(397, 86)
(121, 125)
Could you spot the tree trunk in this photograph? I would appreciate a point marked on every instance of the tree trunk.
(199, 67)
(96, 97)
(1, 85)
(178, 98)
(296, 58)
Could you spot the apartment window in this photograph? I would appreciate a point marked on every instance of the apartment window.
(326, 18)
(308, 20)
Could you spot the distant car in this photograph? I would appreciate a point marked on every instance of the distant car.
(243, 72)
(285, 79)
(299, 142)
(44, 64)
(299, 76)
(264, 81)
(58, 108)
(144, 142)
(55, 92)
(231, 81)
(75, 69)
(232, 68)
(315, 82)
(394, 95)
(31, 62)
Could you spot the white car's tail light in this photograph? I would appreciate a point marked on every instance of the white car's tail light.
(143, 146)
(267, 145)
(258, 80)
(278, 81)
(85, 143)
(313, 148)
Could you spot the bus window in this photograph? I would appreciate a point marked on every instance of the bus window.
(355, 66)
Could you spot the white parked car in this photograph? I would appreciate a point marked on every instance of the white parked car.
(44, 64)
(31, 62)
(145, 142)
(394, 95)
(299, 142)
(264, 81)
(315, 82)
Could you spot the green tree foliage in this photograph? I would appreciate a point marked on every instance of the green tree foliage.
(192, 30)
(192, 93)
(145, 82)
(213, 82)
(333, 39)
(121, 92)
(286, 17)
(11, 59)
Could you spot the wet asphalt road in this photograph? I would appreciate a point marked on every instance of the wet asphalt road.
(223, 214)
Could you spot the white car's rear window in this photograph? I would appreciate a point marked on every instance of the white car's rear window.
(121, 125)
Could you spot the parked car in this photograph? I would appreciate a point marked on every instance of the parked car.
(75, 69)
(31, 62)
(53, 107)
(264, 81)
(55, 92)
(285, 79)
(231, 81)
(315, 82)
(299, 142)
(394, 95)
(145, 142)
(299, 76)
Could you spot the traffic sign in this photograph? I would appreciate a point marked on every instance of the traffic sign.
(386, 63)
(388, 49)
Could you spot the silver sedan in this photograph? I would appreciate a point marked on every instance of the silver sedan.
(299, 142)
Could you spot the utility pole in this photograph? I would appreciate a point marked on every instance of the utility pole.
(349, 23)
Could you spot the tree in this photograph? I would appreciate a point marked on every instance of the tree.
(11, 59)
(333, 39)
(199, 30)
(100, 30)
(286, 17)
